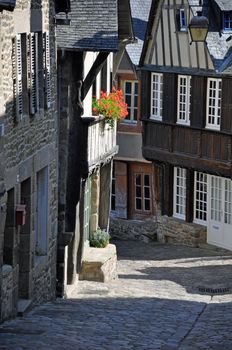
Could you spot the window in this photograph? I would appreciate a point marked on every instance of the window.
(131, 97)
(142, 185)
(200, 198)
(31, 73)
(214, 91)
(184, 95)
(183, 23)
(227, 21)
(228, 202)
(156, 96)
(179, 193)
(113, 193)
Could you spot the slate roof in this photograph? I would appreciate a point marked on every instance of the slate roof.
(140, 10)
(224, 5)
(93, 26)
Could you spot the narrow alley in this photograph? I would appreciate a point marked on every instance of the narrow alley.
(165, 297)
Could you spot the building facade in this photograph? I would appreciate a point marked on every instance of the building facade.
(133, 190)
(28, 156)
(186, 108)
(86, 143)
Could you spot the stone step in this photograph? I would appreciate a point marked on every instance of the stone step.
(99, 264)
(23, 306)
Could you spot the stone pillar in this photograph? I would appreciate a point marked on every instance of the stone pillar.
(95, 198)
(105, 195)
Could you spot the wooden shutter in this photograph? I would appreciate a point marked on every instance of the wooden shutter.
(226, 120)
(33, 72)
(169, 97)
(121, 189)
(198, 101)
(17, 76)
(47, 69)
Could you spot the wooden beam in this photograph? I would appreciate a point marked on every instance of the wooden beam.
(189, 194)
(95, 69)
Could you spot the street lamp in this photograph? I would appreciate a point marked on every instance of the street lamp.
(198, 27)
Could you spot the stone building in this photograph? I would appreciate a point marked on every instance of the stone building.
(28, 156)
(86, 143)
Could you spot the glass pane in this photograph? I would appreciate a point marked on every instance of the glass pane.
(128, 100)
(138, 179)
(128, 87)
(147, 204)
(138, 204)
(138, 191)
(147, 180)
(146, 192)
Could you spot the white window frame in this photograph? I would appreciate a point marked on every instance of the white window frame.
(183, 99)
(200, 183)
(132, 108)
(157, 96)
(216, 116)
(183, 21)
(179, 193)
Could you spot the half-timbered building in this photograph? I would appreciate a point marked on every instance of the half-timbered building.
(87, 34)
(186, 109)
(132, 191)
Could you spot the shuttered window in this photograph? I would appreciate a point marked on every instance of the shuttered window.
(17, 76)
(156, 96)
(179, 207)
(33, 72)
(47, 69)
(214, 91)
(184, 95)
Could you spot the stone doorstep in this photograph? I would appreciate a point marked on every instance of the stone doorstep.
(23, 306)
(99, 264)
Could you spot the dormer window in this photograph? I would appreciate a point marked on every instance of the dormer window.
(183, 22)
(227, 21)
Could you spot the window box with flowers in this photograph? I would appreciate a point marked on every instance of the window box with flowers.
(111, 106)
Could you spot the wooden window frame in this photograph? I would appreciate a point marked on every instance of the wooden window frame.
(131, 108)
(183, 106)
(157, 101)
(142, 198)
(179, 173)
(200, 191)
(216, 116)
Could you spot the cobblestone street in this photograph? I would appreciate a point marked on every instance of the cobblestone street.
(166, 297)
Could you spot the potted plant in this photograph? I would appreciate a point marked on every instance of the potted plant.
(111, 106)
(99, 238)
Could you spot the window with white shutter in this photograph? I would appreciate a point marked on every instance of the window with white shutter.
(33, 72)
(47, 69)
(17, 76)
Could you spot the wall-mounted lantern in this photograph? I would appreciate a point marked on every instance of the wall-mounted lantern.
(20, 214)
(198, 28)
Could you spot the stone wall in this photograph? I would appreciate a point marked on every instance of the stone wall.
(30, 145)
(133, 229)
(176, 231)
(165, 230)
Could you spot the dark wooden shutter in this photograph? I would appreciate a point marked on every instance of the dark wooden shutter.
(226, 112)
(47, 69)
(198, 101)
(17, 77)
(145, 93)
(169, 97)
